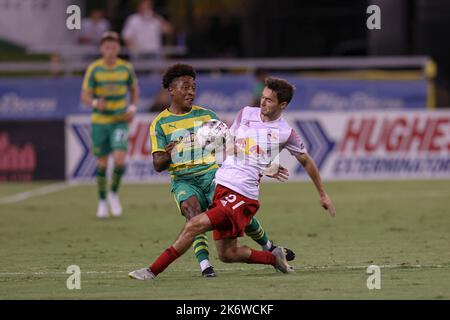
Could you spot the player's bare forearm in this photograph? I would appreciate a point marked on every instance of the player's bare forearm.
(134, 95)
(313, 172)
(132, 108)
(161, 159)
(86, 97)
(310, 167)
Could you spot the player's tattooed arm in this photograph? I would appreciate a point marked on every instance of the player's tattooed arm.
(310, 167)
(161, 159)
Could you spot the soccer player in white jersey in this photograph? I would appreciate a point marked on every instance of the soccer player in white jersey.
(259, 135)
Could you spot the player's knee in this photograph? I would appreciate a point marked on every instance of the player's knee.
(189, 210)
(186, 210)
(119, 163)
(102, 162)
(224, 257)
(191, 228)
(227, 256)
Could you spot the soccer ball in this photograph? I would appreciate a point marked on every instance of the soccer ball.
(212, 133)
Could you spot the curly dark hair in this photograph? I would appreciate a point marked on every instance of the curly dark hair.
(176, 71)
(284, 89)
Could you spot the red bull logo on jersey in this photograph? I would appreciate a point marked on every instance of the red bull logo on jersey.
(261, 148)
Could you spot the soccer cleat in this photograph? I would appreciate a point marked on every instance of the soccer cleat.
(142, 274)
(290, 255)
(209, 273)
(102, 210)
(114, 204)
(281, 264)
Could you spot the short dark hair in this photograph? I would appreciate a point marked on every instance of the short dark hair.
(110, 36)
(176, 71)
(283, 89)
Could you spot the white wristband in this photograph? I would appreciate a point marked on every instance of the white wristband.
(94, 103)
(132, 108)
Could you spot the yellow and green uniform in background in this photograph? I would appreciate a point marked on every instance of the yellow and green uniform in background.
(112, 83)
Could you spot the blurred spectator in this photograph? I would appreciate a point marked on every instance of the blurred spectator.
(143, 31)
(161, 102)
(260, 76)
(93, 28)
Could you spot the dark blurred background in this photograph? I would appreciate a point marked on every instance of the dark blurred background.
(296, 28)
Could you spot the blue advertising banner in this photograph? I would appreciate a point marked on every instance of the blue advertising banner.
(57, 98)
(341, 95)
(345, 146)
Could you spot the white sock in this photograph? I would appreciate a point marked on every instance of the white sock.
(204, 264)
(267, 246)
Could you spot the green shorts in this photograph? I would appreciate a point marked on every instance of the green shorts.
(109, 137)
(201, 186)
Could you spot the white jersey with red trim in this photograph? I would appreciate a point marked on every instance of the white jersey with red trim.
(257, 146)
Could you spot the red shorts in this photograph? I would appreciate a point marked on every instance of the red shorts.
(230, 213)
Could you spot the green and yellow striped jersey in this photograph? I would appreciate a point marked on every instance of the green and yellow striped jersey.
(190, 158)
(112, 83)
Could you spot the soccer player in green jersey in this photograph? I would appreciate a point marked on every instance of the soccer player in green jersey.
(192, 170)
(106, 86)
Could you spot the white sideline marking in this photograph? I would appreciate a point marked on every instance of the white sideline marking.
(386, 266)
(36, 192)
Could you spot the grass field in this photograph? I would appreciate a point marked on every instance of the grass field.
(402, 226)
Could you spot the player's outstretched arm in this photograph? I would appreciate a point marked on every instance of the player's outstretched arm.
(161, 159)
(310, 167)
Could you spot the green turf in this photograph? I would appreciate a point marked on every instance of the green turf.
(399, 225)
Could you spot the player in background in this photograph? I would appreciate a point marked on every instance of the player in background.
(106, 86)
(192, 171)
(259, 136)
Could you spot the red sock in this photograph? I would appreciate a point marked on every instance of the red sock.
(167, 257)
(262, 257)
